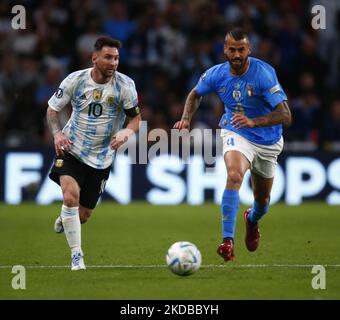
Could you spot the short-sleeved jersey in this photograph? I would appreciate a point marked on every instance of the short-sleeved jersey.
(255, 93)
(97, 113)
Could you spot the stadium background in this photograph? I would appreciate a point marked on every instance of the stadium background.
(167, 44)
(166, 47)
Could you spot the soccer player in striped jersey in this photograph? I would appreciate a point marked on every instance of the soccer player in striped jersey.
(101, 98)
(255, 110)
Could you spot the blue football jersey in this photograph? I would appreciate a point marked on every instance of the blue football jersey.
(255, 93)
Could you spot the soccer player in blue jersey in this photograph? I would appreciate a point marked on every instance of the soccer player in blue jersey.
(101, 98)
(255, 110)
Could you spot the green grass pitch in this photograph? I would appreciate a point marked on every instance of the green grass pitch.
(125, 250)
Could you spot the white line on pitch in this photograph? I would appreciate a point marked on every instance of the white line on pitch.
(116, 266)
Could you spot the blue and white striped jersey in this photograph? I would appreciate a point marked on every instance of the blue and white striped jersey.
(97, 113)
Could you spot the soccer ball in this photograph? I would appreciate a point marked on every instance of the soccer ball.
(183, 258)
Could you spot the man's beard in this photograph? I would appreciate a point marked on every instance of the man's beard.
(106, 73)
(237, 66)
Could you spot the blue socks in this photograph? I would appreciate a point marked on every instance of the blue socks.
(229, 206)
(257, 212)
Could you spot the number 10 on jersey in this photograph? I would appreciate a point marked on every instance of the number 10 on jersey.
(95, 109)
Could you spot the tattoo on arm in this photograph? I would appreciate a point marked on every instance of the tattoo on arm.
(191, 104)
(281, 115)
(53, 121)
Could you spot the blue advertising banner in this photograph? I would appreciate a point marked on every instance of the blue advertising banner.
(168, 180)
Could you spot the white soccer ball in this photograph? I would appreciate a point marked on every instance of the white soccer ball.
(183, 258)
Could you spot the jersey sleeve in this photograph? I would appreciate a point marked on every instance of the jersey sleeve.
(271, 88)
(63, 94)
(129, 96)
(205, 83)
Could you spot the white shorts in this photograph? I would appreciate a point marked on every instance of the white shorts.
(262, 158)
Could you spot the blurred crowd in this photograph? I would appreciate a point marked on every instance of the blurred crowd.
(167, 44)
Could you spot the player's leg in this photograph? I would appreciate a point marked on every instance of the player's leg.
(70, 219)
(262, 177)
(84, 213)
(69, 173)
(66, 165)
(91, 191)
(261, 188)
(237, 164)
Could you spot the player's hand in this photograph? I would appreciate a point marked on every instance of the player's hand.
(239, 121)
(120, 138)
(182, 124)
(62, 144)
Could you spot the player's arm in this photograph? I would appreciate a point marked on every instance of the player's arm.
(55, 104)
(134, 119)
(61, 142)
(280, 115)
(191, 105)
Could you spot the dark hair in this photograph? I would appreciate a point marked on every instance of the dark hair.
(237, 34)
(106, 42)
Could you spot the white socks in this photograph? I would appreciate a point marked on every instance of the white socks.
(71, 224)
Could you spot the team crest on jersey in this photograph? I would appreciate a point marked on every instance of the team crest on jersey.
(110, 100)
(97, 94)
(237, 95)
(59, 163)
(250, 90)
(59, 93)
